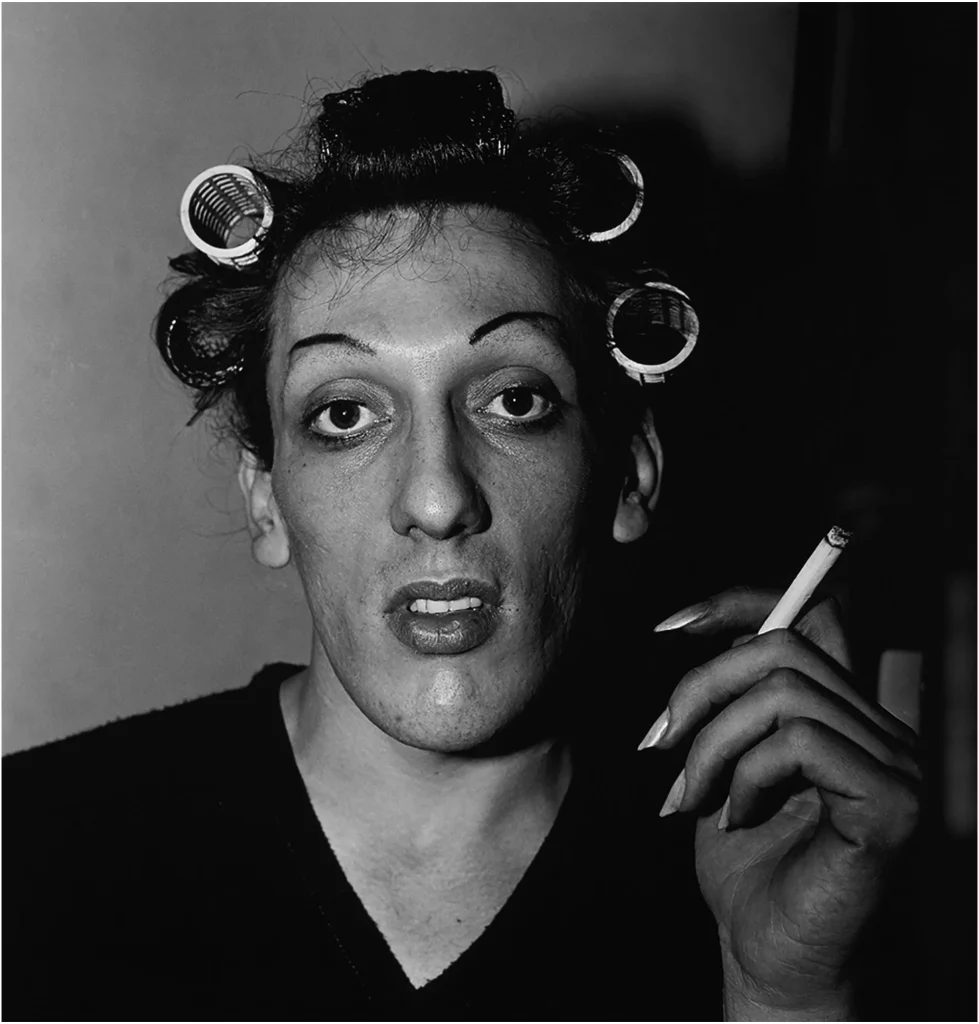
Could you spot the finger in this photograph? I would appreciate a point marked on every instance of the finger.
(744, 609)
(868, 804)
(821, 626)
(703, 691)
(740, 608)
(899, 686)
(771, 704)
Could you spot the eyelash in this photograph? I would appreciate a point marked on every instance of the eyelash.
(337, 440)
(543, 420)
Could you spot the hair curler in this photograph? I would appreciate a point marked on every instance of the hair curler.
(631, 171)
(225, 213)
(665, 309)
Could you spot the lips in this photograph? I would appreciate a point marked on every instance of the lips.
(410, 615)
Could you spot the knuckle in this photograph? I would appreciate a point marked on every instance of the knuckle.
(699, 754)
(782, 683)
(769, 688)
(692, 683)
(798, 733)
(896, 821)
(906, 811)
(782, 642)
(694, 677)
(743, 774)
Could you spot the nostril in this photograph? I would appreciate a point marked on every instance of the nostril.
(439, 497)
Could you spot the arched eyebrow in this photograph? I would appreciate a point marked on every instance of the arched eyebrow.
(528, 316)
(331, 339)
(497, 322)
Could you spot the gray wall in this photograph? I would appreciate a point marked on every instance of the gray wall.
(128, 582)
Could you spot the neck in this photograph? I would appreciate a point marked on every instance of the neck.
(371, 784)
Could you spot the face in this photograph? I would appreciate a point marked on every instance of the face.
(432, 474)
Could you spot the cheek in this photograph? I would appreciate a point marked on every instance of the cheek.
(329, 523)
(555, 497)
(549, 513)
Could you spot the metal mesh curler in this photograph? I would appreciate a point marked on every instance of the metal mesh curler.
(664, 310)
(225, 212)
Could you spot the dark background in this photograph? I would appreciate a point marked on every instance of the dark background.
(835, 383)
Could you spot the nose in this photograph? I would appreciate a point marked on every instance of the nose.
(437, 494)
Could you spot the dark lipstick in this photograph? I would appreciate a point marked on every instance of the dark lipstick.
(441, 629)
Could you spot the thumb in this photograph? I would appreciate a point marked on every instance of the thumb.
(821, 625)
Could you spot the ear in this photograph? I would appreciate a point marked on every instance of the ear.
(270, 542)
(641, 488)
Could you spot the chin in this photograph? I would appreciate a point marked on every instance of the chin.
(452, 710)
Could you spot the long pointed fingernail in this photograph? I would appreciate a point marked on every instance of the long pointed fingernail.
(675, 796)
(724, 816)
(683, 618)
(657, 731)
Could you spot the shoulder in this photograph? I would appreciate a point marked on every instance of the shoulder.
(143, 797)
(138, 736)
(144, 759)
(128, 847)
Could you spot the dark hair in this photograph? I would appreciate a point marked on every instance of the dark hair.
(424, 141)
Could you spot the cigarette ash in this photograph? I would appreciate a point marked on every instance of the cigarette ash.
(838, 537)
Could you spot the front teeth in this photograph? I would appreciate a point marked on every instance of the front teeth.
(423, 607)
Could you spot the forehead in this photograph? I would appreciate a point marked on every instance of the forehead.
(395, 270)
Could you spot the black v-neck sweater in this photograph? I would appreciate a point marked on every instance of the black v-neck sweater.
(171, 866)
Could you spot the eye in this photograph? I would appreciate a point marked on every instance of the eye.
(342, 418)
(520, 403)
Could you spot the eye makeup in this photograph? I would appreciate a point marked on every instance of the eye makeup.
(506, 410)
(336, 402)
(514, 400)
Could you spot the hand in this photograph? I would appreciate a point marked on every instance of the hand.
(820, 787)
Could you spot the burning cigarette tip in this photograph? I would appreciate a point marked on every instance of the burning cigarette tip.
(838, 537)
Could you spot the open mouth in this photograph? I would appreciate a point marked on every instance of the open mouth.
(444, 618)
(421, 606)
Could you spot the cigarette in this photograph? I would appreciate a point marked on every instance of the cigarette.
(782, 616)
(810, 576)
